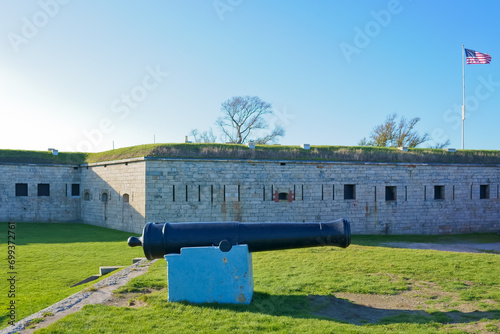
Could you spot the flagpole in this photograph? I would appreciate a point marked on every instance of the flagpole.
(463, 105)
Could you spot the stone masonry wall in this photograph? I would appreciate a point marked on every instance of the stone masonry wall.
(222, 190)
(59, 206)
(387, 198)
(113, 195)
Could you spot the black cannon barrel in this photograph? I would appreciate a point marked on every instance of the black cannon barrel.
(159, 239)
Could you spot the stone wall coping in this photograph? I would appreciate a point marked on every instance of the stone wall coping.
(37, 164)
(317, 162)
(112, 162)
(321, 162)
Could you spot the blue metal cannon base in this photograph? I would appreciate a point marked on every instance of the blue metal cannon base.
(208, 275)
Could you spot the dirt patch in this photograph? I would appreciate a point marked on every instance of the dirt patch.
(478, 327)
(422, 301)
(358, 313)
(130, 299)
(364, 309)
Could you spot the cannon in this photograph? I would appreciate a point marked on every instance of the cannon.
(160, 239)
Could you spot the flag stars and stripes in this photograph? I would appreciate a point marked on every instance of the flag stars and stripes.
(474, 57)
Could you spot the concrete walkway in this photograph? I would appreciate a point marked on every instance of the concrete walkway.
(104, 292)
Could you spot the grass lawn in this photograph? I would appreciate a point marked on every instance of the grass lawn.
(311, 290)
(273, 152)
(51, 257)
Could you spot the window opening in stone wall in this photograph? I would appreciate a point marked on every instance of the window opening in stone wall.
(390, 193)
(186, 192)
(453, 196)
(438, 192)
(43, 189)
(471, 191)
(86, 196)
(173, 193)
(333, 192)
(104, 197)
(21, 189)
(212, 193)
(302, 193)
(484, 191)
(283, 196)
(349, 191)
(199, 193)
(322, 193)
(263, 193)
(272, 192)
(126, 198)
(75, 189)
(283, 164)
(425, 193)
(406, 193)
(224, 193)
(66, 192)
(239, 192)
(375, 193)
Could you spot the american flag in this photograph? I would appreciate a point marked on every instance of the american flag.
(474, 57)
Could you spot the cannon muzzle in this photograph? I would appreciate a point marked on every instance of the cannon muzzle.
(159, 239)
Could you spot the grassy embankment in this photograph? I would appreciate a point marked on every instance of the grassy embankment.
(271, 152)
(455, 292)
(50, 257)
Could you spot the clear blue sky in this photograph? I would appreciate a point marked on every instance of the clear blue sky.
(78, 75)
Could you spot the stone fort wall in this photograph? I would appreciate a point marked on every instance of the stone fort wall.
(392, 198)
(113, 195)
(377, 198)
(39, 193)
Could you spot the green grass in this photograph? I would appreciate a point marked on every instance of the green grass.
(41, 157)
(51, 257)
(264, 152)
(376, 240)
(279, 152)
(285, 280)
(164, 317)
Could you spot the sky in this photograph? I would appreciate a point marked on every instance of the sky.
(92, 75)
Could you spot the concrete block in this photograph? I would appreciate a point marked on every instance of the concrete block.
(208, 275)
(137, 259)
(107, 269)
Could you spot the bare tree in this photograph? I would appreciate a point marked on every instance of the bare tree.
(242, 116)
(272, 137)
(392, 133)
(441, 145)
(203, 137)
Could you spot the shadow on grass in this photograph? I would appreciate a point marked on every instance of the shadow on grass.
(343, 310)
(57, 233)
(2, 319)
